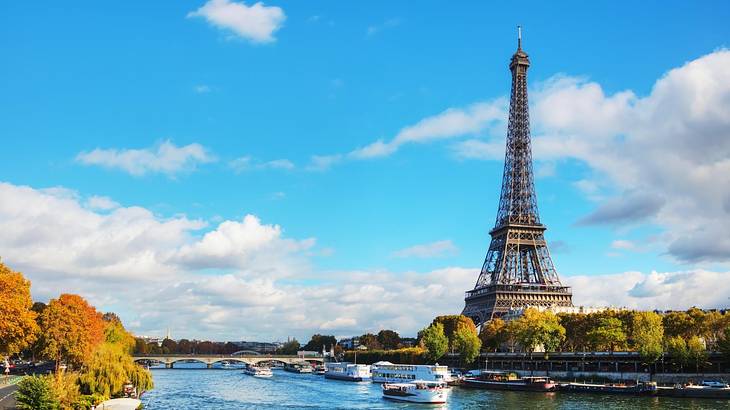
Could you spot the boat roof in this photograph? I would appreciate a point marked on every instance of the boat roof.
(382, 363)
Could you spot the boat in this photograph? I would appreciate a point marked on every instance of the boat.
(714, 384)
(418, 391)
(704, 390)
(320, 369)
(384, 372)
(347, 371)
(258, 371)
(492, 380)
(298, 368)
(642, 388)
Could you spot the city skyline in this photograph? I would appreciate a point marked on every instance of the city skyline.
(250, 171)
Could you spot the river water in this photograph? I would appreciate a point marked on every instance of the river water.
(194, 388)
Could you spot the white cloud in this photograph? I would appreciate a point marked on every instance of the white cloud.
(166, 158)
(623, 244)
(245, 279)
(246, 163)
(256, 23)
(376, 28)
(428, 250)
(102, 203)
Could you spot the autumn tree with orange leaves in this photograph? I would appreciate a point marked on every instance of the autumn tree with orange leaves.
(18, 326)
(71, 330)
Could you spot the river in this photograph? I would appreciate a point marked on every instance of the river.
(190, 387)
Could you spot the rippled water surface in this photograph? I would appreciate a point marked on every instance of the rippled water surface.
(195, 388)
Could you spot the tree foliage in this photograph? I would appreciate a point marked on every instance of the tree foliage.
(317, 341)
(18, 326)
(370, 341)
(291, 347)
(453, 322)
(389, 339)
(724, 344)
(36, 393)
(608, 335)
(467, 343)
(696, 352)
(493, 334)
(71, 329)
(647, 335)
(109, 369)
(535, 328)
(434, 341)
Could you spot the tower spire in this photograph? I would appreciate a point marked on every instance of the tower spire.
(519, 37)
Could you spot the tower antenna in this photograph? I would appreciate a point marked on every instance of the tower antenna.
(519, 37)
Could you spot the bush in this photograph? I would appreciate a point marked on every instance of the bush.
(36, 393)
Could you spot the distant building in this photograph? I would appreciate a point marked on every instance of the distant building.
(259, 347)
(351, 343)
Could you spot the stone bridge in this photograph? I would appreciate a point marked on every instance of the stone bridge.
(169, 360)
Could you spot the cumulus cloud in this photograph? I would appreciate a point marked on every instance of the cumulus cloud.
(429, 250)
(662, 159)
(247, 163)
(166, 158)
(256, 23)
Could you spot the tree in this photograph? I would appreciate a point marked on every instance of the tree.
(71, 329)
(290, 348)
(140, 346)
(608, 335)
(317, 341)
(18, 327)
(370, 341)
(169, 346)
(434, 341)
(36, 393)
(576, 327)
(467, 343)
(678, 324)
(696, 352)
(184, 346)
(451, 323)
(109, 369)
(535, 328)
(647, 335)
(724, 344)
(493, 334)
(677, 350)
(389, 339)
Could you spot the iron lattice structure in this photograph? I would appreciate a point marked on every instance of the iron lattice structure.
(517, 271)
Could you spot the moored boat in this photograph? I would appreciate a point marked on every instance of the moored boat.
(320, 369)
(418, 391)
(347, 371)
(509, 381)
(384, 372)
(258, 371)
(643, 389)
(298, 368)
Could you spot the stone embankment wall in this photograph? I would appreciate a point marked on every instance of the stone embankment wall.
(661, 378)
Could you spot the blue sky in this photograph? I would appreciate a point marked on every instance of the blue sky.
(325, 79)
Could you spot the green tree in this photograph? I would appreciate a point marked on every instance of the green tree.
(290, 348)
(493, 334)
(109, 369)
(18, 327)
(370, 341)
(576, 327)
(389, 339)
(677, 350)
(467, 343)
(535, 328)
(434, 341)
(169, 346)
(36, 393)
(317, 341)
(647, 335)
(453, 322)
(696, 352)
(608, 335)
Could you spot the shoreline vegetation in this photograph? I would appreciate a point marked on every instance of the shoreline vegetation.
(91, 351)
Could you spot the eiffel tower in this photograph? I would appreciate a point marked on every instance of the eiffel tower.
(518, 271)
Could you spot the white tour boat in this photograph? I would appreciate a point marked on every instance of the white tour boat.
(384, 372)
(258, 371)
(347, 371)
(418, 391)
